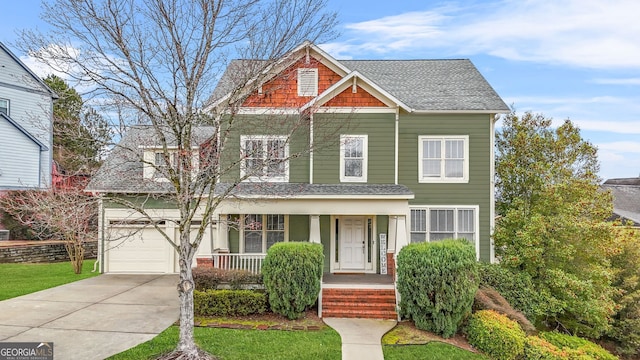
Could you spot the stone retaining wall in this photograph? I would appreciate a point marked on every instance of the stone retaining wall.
(40, 251)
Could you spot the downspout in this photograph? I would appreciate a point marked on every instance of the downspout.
(396, 143)
(311, 148)
(492, 188)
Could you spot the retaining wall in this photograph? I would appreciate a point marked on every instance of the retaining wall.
(40, 251)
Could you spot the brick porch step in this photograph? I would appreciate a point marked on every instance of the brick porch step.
(359, 303)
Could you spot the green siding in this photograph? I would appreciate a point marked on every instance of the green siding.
(379, 128)
(325, 239)
(268, 125)
(477, 191)
(298, 228)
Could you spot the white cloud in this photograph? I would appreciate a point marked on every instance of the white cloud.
(621, 146)
(585, 33)
(627, 81)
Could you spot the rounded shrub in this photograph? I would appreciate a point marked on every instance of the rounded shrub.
(437, 282)
(588, 349)
(536, 348)
(496, 335)
(291, 274)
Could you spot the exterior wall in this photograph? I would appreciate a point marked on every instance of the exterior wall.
(477, 191)
(30, 105)
(360, 98)
(379, 128)
(19, 158)
(277, 124)
(325, 236)
(299, 228)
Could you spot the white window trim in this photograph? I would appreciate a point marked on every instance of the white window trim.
(365, 161)
(443, 178)
(8, 106)
(263, 230)
(455, 208)
(264, 139)
(314, 90)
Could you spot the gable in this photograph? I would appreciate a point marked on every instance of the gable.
(14, 72)
(358, 98)
(282, 90)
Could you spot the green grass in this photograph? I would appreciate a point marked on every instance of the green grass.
(433, 351)
(231, 344)
(22, 279)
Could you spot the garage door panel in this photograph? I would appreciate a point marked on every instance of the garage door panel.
(137, 250)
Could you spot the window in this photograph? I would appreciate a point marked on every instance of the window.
(265, 158)
(353, 158)
(4, 106)
(444, 222)
(443, 159)
(307, 82)
(260, 232)
(161, 166)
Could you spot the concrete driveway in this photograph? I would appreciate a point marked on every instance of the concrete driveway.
(93, 318)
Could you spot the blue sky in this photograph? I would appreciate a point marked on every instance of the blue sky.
(576, 59)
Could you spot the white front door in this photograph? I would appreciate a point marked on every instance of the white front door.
(352, 243)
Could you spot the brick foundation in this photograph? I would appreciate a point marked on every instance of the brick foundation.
(204, 262)
(391, 265)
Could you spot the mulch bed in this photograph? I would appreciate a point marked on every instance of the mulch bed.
(267, 321)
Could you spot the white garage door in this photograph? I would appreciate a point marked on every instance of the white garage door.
(136, 249)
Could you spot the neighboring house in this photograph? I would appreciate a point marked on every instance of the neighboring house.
(414, 163)
(26, 120)
(626, 198)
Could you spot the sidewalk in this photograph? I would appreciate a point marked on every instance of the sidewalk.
(361, 337)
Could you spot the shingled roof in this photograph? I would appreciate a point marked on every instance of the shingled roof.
(626, 198)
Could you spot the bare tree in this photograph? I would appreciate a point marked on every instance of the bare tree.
(155, 63)
(68, 214)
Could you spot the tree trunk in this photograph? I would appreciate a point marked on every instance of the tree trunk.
(186, 345)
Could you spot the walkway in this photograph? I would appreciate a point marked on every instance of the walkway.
(93, 318)
(361, 338)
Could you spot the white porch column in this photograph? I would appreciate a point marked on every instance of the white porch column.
(221, 241)
(401, 233)
(393, 226)
(314, 229)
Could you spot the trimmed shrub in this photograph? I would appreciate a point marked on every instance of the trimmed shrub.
(291, 274)
(229, 302)
(517, 288)
(206, 278)
(496, 335)
(536, 348)
(582, 346)
(437, 282)
(489, 299)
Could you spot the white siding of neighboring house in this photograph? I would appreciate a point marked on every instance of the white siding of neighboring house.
(30, 105)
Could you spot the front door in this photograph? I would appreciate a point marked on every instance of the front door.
(352, 243)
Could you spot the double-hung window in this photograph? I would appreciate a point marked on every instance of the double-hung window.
(4, 106)
(260, 232)
(265, 158)
(353, 158)
(433, 223)
(443, 158)
(161, 164)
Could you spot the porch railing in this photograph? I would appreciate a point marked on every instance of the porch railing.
(248, 262)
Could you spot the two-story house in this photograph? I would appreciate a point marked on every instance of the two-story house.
(26, 118)
(399, 151)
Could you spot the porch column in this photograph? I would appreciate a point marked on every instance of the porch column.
(314, 229)
(393, 225)
(221, 241)
(401, 233)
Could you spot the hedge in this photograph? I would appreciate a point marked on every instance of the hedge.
(206, 278)
(437, 282)
(292, 274)
(536, 348)
(496, 335)
(229, 302)
(582, 346)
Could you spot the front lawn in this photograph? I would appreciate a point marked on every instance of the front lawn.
(230, 344)
(22, 279)
(433, 351)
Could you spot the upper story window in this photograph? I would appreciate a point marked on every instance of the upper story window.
(4, 106)
(156, 165)
(307, 82)
(265, 158)
(444, 222)
(162, 165)
(443, 158)
(353, 158)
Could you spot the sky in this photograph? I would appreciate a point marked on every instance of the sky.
(569, 59)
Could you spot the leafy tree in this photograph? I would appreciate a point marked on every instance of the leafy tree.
(155, 63)
(553, 225)
(79, 131)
